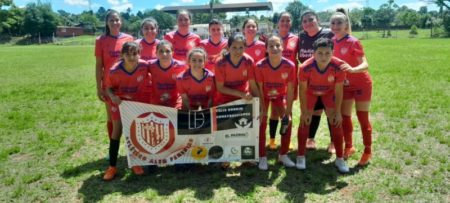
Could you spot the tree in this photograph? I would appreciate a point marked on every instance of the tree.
(296, 8)
(165, 20)
(385, 16)
(39, 19)
(5, 3)
(11, 21)
(88, 19)
(101, 13)
(407, 17)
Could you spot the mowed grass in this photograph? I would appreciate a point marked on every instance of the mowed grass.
(53, 139)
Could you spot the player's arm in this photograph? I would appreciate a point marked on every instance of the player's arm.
(185, 101)
(290, 98)
(339, 94)
(115, 99)
(99, 77)
(261, 99)
(226, 90)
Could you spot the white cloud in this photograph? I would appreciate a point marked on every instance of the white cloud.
(187, 1)
(322, 1)
(120, 5)
(159, 6)
(77, 2)
(414, 5)
(350, 5)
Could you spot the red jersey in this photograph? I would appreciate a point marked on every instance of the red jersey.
(213, 51)
(200, 91)
(108, 48)
(256, 50)
(321, 82)
(182, 44)
(275, 79)
(133, 86)
(349, 49)
(290, 48)
(234, 77)
(165, 82)
(148, 49)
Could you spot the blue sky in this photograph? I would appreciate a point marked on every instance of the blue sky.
(77, 6)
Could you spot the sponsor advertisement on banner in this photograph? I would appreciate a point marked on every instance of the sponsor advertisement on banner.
(158, 135)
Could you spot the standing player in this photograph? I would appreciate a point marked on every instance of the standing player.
(215, 44)
(311, 33)
(149, 31)
(275, 76)
(182, 39)
(196, 84)
(254, 48)
(358, 86)
(126, 81)
(164, 71)
(321, 78)
(107, 52)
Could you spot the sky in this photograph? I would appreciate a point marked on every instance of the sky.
(77, 6)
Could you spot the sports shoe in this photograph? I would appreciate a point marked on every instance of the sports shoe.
(341, 165)
(272, 144)
(110, 173)
(263, 163)
(365, 158)
(286, 161)
(137, 170)
(331, 149)
(301, 163)
(348, 152)
(310, 144)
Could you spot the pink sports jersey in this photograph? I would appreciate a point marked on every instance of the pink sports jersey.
(234, 77)
(165, 82)
(256, 50)
(349, 49)
(200, 91)
(213, 51)
(148, 49)
(108, 48)
(275, 79)
(321, 82)
(290, 48)
(133, 86)
(182, 44)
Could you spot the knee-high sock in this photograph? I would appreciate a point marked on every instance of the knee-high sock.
(262, 137)
(347, 128)
(302, 135)
(286, 140)
(366, 129)
(113, 151)
(338, 139)
(273, 124)
(315, 121)
(109, 126)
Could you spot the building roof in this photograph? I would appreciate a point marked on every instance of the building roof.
(257, 6)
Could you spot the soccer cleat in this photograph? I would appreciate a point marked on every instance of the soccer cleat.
(137, 170)
(263, 163)
(110, 173)
(331, 149)
(348, 152)
(301, 163)
(310, 144)
(365, 158)
(272, 144)
(286, 161)
(341, 165)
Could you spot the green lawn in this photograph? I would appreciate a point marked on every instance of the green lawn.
(53, 139)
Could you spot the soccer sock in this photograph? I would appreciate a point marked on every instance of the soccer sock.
(302, 135)
(366, 129)
(315, 121)
(286, 140)
(273, 124)
(262, 137)
(109, 126)
(113, 151)
(347, 128)
(338, 138)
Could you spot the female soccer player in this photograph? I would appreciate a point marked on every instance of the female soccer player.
(126, 81)
(215, 44)
(196, 85)
(164, 71)
(182, 39)
(358, 86)
(275, 76)
(254, 48)
(107, 52)
(311, 33)
(321, 78)
(149, 31)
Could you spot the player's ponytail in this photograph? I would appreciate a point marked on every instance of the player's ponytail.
(342, 13)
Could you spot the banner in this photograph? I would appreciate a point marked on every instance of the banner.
(158, 135)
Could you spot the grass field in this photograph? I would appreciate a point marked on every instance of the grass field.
(53, 139)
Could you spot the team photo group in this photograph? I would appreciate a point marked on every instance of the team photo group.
(326, 70)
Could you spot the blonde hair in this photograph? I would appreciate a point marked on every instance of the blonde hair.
(342, 14)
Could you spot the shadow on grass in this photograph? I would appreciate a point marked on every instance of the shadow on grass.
(319, 178)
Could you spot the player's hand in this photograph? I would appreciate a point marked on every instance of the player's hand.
(116, 100)
(247, 96)
(337, 120)
(100, 95)
(346, 67)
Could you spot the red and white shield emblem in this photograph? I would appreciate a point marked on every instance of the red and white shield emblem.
(257, 52)
(344, 50)
(152, 132)
(292, 44)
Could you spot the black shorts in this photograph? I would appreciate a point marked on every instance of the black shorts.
(319, 104)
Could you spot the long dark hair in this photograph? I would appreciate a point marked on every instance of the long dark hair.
(109, 14)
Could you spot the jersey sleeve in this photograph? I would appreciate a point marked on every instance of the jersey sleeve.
(98, 47)
(220, 74)
(340, 76)
(357, 49)
(292, 74)
(251, 70)
(180, 84)
(168, 37)
(303, 75)
(258, 74)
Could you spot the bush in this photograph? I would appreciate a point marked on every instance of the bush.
(413, 32)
